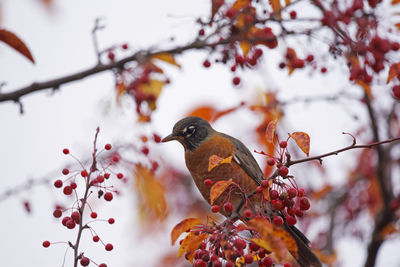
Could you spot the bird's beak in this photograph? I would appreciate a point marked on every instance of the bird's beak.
(169, 138)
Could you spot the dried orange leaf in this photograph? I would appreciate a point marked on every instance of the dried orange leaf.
(151, 194)
(276, 5)
(388, 230)
(13, 41)
(302, 140)
(261, 242)
(394, 71)
(270, 132)
(239, 4)
(218, 188)
(215, 161)
(290, 243)
(395, 2)
(317, 195)
(190, 244)
(120, 89)
(182, 227)
(397, 25)
(166, 57)
(287, 2)
(246, 46)
(152, 88)
(366, 87)
(329, 259)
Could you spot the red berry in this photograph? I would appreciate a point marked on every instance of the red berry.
(299, 213)
(283, 144)
(65, 220)
(231, 12)
(304, 203)
(236, 80)
(265, 183)
(254, 246)
(96, 238)
(65, 171)
(292, 192)
(156, 138)
(310, 58)
(73, 185)
(277, 221)
(76, 216)
(200, 263)
(293, 14)
(46, 244)
(229, 264)
(283, 171)
(206, 63)
(287, 264)
(290, 220)
(216, 263)
(208, 182)
(228, 207)
(248, 258)
(124, 46)
(396, 91)
(323, 70)
(298, 63)
(66, 151)
(70, 224)
(282, 65)
(84, 173)
(58, 184)
(239, 244)
(67, 190)
(109, 247)
(111, 55)
(273, 194)
(300, 192)
(288, 202)
(259, 189)
(100, 179)
(93, 215)
(201, 32)
(277, 204)
(291, 211)
(283, 195)
(267, 261)
(154, 166)
(215, 208)
(108, 196)
(248, 213)
(103, 265)
(120, 176)
(271, 162)
(85, 261)
(106, 175)
(57, 213)
(107, 147)
(111, 221)
(145, 150)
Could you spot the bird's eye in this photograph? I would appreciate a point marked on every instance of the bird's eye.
(189, 131)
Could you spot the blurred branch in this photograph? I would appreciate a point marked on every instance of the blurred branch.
(23, 187)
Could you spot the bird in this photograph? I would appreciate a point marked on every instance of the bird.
(200, 141)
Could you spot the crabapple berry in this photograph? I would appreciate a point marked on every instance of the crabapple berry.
(290, 220)
(70, 224)
(93, 215)
(300, 192)
(277, 204)
(107, 147)
(283, 144)
(200, 263)
(73, 185)
(65, 220)
(239, 244)
(265, 183)
(120, 176)
(208, 182)
(293, 14)
(277, 221)
(109, 247)
(236, 80)
(67, 190)
(108, 196)
(248, 258)
(228, 207)
(254, 246)
(57, 213)
(111, 55)
(299, 213)
(273, 194)
(267, 261)
(291, 192)
(84, 173)
(248, 213)
(65, 171)
(96, 238)
(106, 175)
(66, 151)
(124, 46)
(287, 264)
(46, 244)
(84, 261)
(103, 265)
(111, 220)
(215, 208)
(396, 91)
(75, 216)
(58, 184)
(206, 63)
(271, 162)
(304, 203)
(283, 171)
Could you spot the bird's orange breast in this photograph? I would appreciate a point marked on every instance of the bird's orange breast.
(197, 162)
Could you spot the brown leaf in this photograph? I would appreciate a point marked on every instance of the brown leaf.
(190, 244)
(166, 57)
(215, 6)
(394, 71)
(395, 2)
(366, 87)
(13, 41)
(302, 140)
(182, 227)
(218, 188)
(321, 193)
(215, 161)
(151, 193)
(270, 131)
(152, 88)
(276, 5)
(210, 113)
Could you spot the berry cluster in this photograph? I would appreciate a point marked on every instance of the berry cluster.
(90, 180)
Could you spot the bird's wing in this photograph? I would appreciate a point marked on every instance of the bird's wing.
(245, 159)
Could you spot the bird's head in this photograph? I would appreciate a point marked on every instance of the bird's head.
(190, 132)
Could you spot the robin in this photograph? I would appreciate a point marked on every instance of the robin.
(200, 142)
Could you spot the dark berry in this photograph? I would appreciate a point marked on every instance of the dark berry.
(46, 244)
(236, 80)
(277, 221)
(109, 247)
(66, 151)
(107, 147)
(58, 183)
(108, 196)
(84, 261)
(65, 171)
(283, 171)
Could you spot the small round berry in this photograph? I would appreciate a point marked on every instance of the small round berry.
(271, 162)
(66, 151)
(228, 207)
(106, 175)
(84, 261)
(287, 264)
(156, 138)
(282, 65)
(304, 203)
(120, 176)
(277, 221)
(108, 196)
(288, 202)
(103, 265)
(58, 184)
(206, 63)
(84, 173)
(283, 171)
(310, 58)
(290, 220)
(265, 183)
(248, 213)
(208, 182)
(216, 263)
(145, 150)
(65, 171)
(239, 244)
(215, 208)
(291, 211)
(109, 247)
(273, 194)
(229, 264)
(277, 204)
(283, 195)
(96, 238)
(67, 190)
(65, 220)
(73, 185)
(200, 263)
(254, 246)
(236, 80)
(292, 192)
(111, 55)
(299, 213)
(323, 70)
(259, 189)
(57, 213)
(124, 46)
(46, 244)
(301, 192)
(70, 224)
(201, 32)
(107, 147)
(248, 258)
(293, 14)
(111, 220)
(283, 144)
(267, 261)
(100, 179)
(93, 215)
(76, 216)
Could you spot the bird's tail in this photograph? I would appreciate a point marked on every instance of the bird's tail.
(305, 258)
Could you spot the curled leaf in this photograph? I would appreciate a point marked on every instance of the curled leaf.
(190, 244)
(270, 132)
(302, 139)
(394, 71)
(261, 242)
(215, 161)
(15, 42)
(152, 88)
(166, 57)
(218, 188)
(182, 227)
